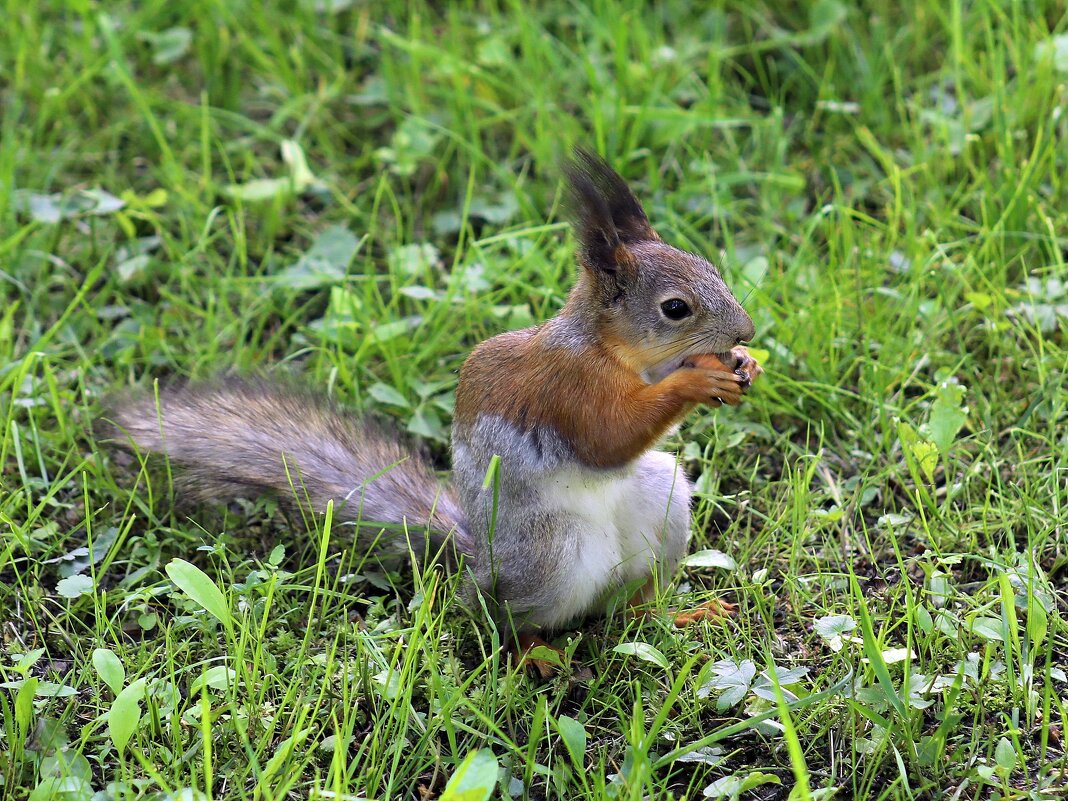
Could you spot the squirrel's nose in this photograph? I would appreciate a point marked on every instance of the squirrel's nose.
(748, 330)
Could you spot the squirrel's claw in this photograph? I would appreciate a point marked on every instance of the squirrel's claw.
(745, 366)
(726, 376)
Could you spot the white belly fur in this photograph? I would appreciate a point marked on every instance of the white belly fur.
(621, 525)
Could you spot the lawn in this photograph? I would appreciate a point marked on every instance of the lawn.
(357, 193)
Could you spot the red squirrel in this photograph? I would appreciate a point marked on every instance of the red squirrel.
(581, 503)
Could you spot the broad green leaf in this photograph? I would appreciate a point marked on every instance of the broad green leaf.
(100, 202)
(708, 755)
(283, 752)
(989, 628)
(411, 260)
(125, 714)
(824, 17)
(41, 689)
(926, 455)
(278, 553)
(426, 423)
(335, 244)
(58, 207)
(387, 332)
(643, 650)
(825, 14)
(183, 794)
(75, 586)
(310, 274)
(293, 155)
(940, 588)
(764, 686)
(917, 690)
(1031, 584)
(25, 661)
(41, 208)
(756, 779)
(754, 271)
(68, 788)
(732, 787)
(133, 267)
(892, 656)
(710, 558)
(218, 677)
(24, 704)
(921, 452)
(50, 736)
(413, 142)
(573, 734)
(948, 415)
(325, 263)
(110, 669)
(543, 653)
(1005, 756)
(343, 318)
(260, 189)
(419, 293)
(195, 583)
(67, 763)
(1037, 624)
(732, 679)
(894, 520)
(79, 560)
(383, 393)
(498, 209)
(493, 51)
(729, 787)
(389, 683)
(833, 625)
(168, 45)
(475, 778)
(1056, 50)
(924, 619)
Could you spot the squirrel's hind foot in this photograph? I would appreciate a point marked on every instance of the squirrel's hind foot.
(707, 611)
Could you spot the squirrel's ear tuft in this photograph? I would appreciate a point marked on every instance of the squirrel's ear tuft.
(604, 210)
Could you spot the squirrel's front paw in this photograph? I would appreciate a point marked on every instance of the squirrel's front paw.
(711, 381)
(743, 364)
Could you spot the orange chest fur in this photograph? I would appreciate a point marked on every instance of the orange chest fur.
(602, 409)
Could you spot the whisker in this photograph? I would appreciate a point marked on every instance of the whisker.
(754, 284)
(676, 346)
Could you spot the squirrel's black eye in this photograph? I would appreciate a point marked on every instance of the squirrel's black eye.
(675, 309)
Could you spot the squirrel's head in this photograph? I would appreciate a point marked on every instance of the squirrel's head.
(659, 304)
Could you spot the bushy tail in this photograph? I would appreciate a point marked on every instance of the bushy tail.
(247, 437)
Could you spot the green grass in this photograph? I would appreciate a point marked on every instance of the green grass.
(885, 189)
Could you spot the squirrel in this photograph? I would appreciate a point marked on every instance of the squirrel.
(565, 414)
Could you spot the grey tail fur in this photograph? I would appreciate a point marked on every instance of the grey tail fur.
(241, 437)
